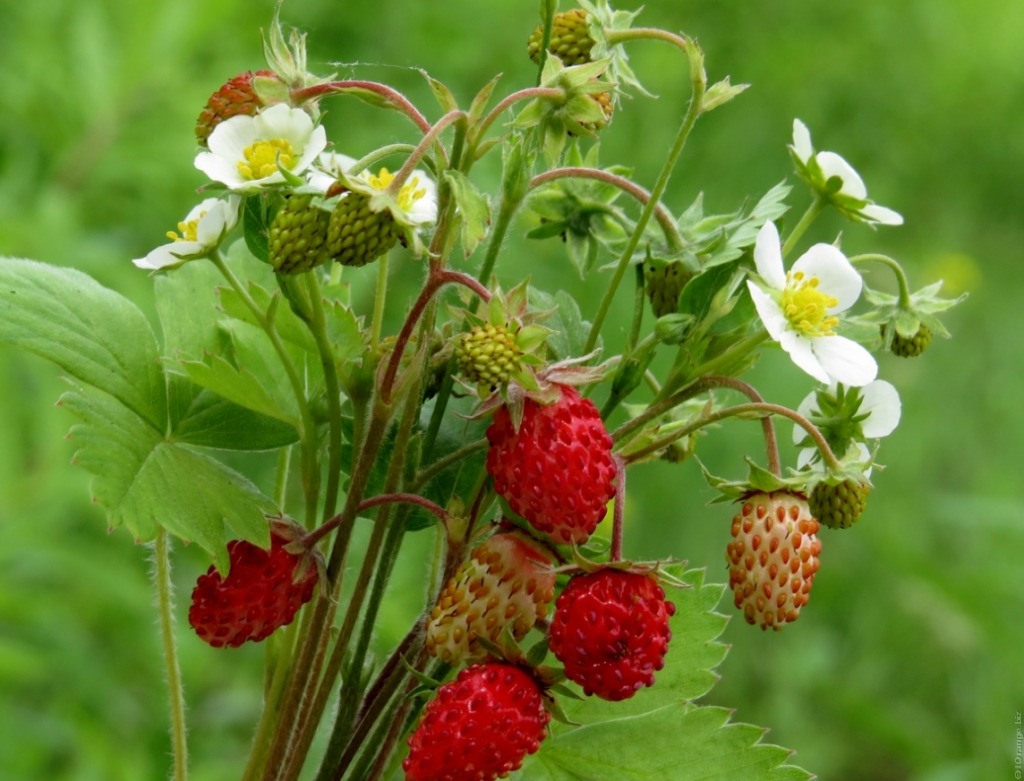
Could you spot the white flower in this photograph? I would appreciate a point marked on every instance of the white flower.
(200, 231)
(799, 309)
(414, 206)
(848, 415)
(852, 196)
(247, 153)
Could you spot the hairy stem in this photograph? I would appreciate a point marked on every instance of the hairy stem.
(175, 689)
(896, 268)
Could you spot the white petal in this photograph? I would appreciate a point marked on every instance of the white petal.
(335, 162)
(801, 351)
(882, 405)
(230, 138)
(167, 255)
(312, 146)
(881, 215)
(837, 275)
(220, 218)
(844, 360)
(220, 169)
(768, 256)
(802, 141)
(770, 312)
(283, 121)
(424, 208)
(834, 165)
(810, 457)
(808, 406)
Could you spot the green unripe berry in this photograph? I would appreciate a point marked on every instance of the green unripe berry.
(357, 235)
(839, 505)
(488, 355)
(298, 234)
(909, 346)
(570, 40)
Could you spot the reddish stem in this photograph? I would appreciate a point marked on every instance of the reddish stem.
(438, 278)
(390, 95)
(620, 509)
(320, 532)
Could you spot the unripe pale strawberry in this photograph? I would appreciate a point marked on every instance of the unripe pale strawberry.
(236, 97)
(262, 592)
(773, 558)
(507, 582)
(488, 355)
(478, 727)
(356, 235)
(909, 346)
(839, 505)
(610, 630)
(570, 39)
(298, 236)
(557, 470)
(664, 281)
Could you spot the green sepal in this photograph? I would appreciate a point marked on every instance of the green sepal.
(257, 214)
(759, 480)
(478, 105)
(720, 93)
(444, 96)
(474, 208)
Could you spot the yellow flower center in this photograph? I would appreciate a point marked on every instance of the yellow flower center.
(407, 196)
(806, 307)
(187, 230)
(263, 158)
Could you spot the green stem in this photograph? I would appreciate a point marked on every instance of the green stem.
(758, 409)
(693, 111)
(284, 461)
(817, 207)
(175, 689)
(379, 299)
(897, 269)
(307, 426)
(428, 474)
(547, 15)
(665, 220)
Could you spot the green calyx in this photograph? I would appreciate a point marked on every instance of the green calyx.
(297, 239)
(502, 348)
(357, 235)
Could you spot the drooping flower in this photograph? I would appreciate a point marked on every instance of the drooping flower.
(416, 201)
(248, 153)
(799, 308)
(200, 232)
(847, 416)
(821, 169)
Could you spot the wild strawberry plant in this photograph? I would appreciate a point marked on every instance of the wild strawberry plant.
(497, 417)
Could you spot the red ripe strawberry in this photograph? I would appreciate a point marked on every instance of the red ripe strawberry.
(508, 581)
(611, 631)
(236, 96)
(773, 558)
(557, 470)
(262, 592)
(478, 727)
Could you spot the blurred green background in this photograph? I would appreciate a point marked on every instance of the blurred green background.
(907, 663)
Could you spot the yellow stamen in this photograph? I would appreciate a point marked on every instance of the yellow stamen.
(187, 230)
(407, 196)
(263, 157)
(806, 307)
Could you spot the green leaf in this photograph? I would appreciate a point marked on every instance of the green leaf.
(145, 481)
(444, 95)
(659, 735)
(475, 209)
(570, 330)
(250, 376)
(89, 331)
(685, 743)
(213, 421)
